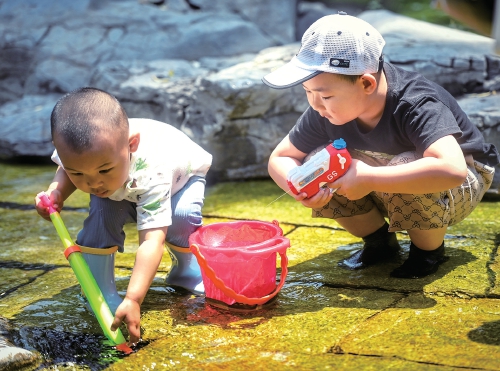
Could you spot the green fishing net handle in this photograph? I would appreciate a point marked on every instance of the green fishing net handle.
(87, 281)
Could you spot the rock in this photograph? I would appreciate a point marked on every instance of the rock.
(455, 59)
(12, 357)
(275, 18)
(63, 65)
(218, 99)
(56, 53)
(483, 110)
(229, 111)
(25, 129)
(310, 12)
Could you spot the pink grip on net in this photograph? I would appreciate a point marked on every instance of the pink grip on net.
(44, 199)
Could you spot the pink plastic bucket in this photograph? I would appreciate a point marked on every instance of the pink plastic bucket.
(238, 260)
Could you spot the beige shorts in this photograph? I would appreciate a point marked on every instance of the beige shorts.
(413, 211)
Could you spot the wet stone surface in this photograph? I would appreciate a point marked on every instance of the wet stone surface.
(325, 317)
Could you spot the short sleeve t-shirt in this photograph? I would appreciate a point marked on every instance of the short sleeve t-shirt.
(417, 113)
(163, 163)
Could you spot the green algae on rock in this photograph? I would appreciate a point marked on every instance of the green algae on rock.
(325, 317)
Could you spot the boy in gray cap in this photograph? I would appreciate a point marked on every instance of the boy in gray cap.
(418, 161)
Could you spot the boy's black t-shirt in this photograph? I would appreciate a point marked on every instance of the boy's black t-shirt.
(417, 113)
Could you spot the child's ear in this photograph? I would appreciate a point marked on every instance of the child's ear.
(369, 83)
(133, 142)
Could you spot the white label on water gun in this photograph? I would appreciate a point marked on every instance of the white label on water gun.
(305, 174)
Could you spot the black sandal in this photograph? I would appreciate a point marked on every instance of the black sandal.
(380, 246)
(420, 263)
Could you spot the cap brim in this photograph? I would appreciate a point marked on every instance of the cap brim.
(287, 76)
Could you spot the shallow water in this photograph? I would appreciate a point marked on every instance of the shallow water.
(324, 317)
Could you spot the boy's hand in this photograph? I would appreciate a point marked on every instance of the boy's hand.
(57, 200)
(352, 185)
(147, 260)
(129, 311)
(317, 201)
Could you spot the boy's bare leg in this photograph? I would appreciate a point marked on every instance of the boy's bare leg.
(379, 244)
(364, 224)
(427, 240)
(426, 254)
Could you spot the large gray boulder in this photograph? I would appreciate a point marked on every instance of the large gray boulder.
(484, 112)
(230, 112)
(272, 17)
(25, 126)
(455, 59)
(220, 101)
(52, 46)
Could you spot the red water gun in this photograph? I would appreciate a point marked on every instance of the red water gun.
(324, 167)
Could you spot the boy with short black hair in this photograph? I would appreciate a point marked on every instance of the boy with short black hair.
(136, 171)
(417, 159)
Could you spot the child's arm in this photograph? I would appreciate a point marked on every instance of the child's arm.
(59, 190)
(286, 157)
(442, 167)
(147, 260)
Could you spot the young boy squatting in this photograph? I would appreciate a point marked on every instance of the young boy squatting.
(136, 171)
(417, 159)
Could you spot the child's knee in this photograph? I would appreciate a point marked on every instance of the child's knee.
(185, 221)
(104, 225)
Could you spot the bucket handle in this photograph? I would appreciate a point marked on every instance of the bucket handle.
(210, 273)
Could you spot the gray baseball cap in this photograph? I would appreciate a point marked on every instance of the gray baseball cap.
(337, 43)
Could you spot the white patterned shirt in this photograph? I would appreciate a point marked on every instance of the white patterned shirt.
(163, 163)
